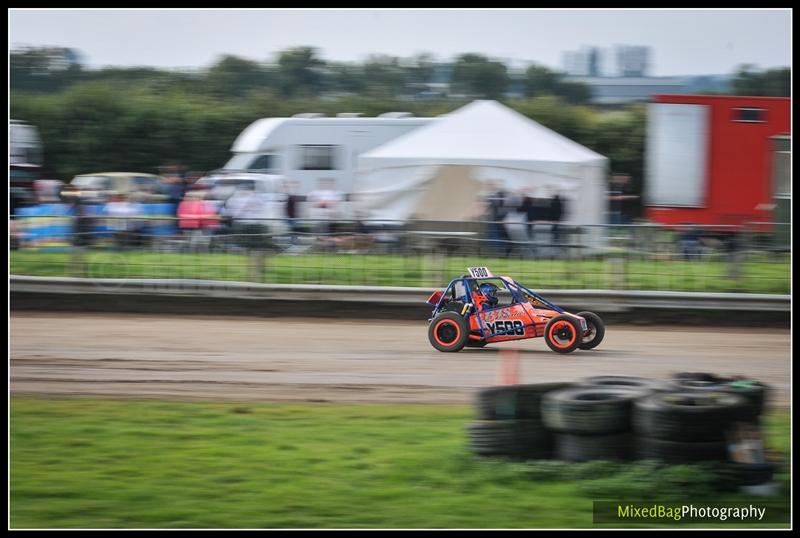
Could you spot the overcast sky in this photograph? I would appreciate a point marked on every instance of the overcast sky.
(683, 42)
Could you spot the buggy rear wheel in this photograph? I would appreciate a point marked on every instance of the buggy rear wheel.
(448, 332)
(596, 330)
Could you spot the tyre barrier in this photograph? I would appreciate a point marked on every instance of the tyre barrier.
(688, 417)
(622, 381)
(509, 422)
(589, 410)
(648, 448)
(514, 401)
(521, 439)
(694, 417)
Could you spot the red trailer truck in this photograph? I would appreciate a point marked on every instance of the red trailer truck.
(711, 159)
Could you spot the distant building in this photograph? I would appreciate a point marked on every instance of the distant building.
(632, 60)
(708, 83)
(623, 90)
(586, 62)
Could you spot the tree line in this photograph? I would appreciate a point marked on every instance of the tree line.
(136, 119)
(302, 72)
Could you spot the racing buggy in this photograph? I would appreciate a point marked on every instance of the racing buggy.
(480, 308)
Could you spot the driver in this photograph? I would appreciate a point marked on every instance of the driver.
(489, 291)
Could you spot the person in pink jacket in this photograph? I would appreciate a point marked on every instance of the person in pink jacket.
(191, 212)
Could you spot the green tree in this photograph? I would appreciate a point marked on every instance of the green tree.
(420, 68)
(540, 80)
(233, 77)
(346, 78)
(476, 75)
(300, 71)
(43, 69)
(384, 76)
(773, 82)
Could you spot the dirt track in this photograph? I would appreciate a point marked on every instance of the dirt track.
(230, 358)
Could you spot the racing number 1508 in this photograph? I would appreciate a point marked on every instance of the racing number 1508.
(479, 272)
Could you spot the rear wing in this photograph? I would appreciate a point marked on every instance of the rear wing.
(435, 297)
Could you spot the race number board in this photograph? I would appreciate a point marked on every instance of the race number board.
(480, 272)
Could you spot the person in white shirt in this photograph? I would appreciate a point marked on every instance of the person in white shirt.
(123, 215)
(247, 209)
(326, 204)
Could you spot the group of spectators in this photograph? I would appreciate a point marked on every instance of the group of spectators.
(248, 215)
(251, 216)
(537, 208)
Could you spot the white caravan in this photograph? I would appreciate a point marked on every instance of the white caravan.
(307, 148)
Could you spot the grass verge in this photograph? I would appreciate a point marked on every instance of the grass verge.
(95, 463)
(758, 275)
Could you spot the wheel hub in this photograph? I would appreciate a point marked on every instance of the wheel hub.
(447, 333)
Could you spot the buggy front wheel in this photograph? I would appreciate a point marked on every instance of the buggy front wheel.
(563, 334)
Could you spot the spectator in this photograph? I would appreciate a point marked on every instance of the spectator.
(497, 207)
(140, 228)
(689, 239)
(531, 207)
(555, 214)
(175, 183)
(211, 223)
(122, 213)
(326, 204)
(618, 186)
(190, 215)
(82, 233)
(247, 210)
(292, 210)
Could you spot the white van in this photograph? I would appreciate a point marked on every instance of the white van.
(308, 148)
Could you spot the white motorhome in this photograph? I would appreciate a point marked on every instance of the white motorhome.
(307, 148)
(25, 143)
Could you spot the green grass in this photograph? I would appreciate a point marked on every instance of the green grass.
(759, 275)
(97, 463)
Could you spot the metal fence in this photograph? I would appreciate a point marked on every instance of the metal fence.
(748, 258)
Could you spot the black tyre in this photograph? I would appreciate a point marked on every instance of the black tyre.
(755, 392)
(616, 446)
(515, 438)
(687, 416)
(448, 332)
(563, 334)
(622, 381)
(597, 330)
(514, 401)
(588, 411)
(699, 376)
(680, 452)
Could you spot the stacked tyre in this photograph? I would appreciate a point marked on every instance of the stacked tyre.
(642, 384)
(688, 426)
(591, 423)
(509, 422)
(755, 392)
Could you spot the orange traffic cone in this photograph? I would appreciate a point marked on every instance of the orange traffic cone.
(509, 367)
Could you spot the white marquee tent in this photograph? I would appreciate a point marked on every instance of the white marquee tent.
(483, 143)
